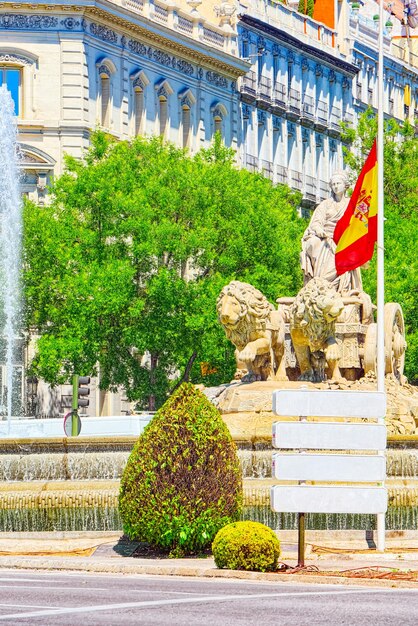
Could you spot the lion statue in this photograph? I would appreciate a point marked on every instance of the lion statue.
(312, 328)
(255, 329)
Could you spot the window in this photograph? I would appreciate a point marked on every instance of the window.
(217, 120)
(163, 115)
(185, 121)
(138, 109)
(10, 76)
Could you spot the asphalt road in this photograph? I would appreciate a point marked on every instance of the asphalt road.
(88, 599)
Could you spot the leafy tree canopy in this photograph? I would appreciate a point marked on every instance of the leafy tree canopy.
(108, 263)
(401, 219)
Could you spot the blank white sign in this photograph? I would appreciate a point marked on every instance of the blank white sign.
(329, 436)
(323, 403)
(311, 499)
(330, 467)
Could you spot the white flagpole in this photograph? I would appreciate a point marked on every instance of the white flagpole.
(380, 252)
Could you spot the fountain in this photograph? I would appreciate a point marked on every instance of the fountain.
(10, 251)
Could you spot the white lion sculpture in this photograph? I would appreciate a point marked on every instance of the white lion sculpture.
(255, 328)
(312, 328)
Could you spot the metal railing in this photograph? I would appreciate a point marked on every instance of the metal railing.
(279, 94)
(249, 84)
(322, 112)
(296, 179)
(267, 169)
(335, 118)
(281, 174)
(264, 88)
(252, 163)
(308, 107)
(294, 100)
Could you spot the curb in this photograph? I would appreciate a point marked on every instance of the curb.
(81, 564)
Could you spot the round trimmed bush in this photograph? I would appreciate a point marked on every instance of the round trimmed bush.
(182, 481)
(246, 545)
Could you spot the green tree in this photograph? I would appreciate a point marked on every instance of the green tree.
(108, 262)
(401, 218)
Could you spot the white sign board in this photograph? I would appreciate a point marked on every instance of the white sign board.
(324, 403)
(312, 499)
(323, 467)
(329, 436)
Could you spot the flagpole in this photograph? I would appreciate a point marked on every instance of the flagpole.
(380, 252)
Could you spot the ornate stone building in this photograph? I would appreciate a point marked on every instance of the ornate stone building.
(129, 66)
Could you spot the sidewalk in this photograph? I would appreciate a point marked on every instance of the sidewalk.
(338, 557)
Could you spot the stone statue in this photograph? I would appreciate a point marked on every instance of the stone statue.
(256, 330)
(318, 248)
(312, 328)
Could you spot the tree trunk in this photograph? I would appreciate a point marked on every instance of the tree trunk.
(153, 367)
(186, 375)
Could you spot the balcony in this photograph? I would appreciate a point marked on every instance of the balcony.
(293, 104)
(348, 118)
(279, 100)
(252, 163)
(264, 92)
(249, 88)
(308, 111)
(335, 121)
(323, 190)
(281, 174)
(267, 169)
(310, 188)
(296, 180)
(321, 115)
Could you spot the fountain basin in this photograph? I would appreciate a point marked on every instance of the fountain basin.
(119, 425)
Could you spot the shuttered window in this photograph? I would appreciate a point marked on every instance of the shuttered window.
(139, 109)
(105, 83)
(163, 116)
(186, 126)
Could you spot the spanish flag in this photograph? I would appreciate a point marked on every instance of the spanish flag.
(356, 232)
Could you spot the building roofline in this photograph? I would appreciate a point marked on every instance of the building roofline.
(281, 35)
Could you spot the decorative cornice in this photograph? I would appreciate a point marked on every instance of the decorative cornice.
(236, 68)
(300, 46)
(16, 59)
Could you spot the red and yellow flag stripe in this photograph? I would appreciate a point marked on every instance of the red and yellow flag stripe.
(356, 232)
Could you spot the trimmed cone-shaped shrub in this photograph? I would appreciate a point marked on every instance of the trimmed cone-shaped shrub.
(248, 546)
(182, 482)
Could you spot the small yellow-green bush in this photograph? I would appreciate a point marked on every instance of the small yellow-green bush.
(248, 546)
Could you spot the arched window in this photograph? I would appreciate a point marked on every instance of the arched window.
(185, 122)
(105, 85)
(162, 114)
(164, 91)
(139, 84)
(187, 100)
(219, 113)
(138, 109)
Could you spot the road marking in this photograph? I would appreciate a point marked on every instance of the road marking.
(39, 586)
(177, 601)
(30, 606)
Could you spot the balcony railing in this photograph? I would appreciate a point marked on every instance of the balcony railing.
(294, 100)
(160, 13)
(279, 95)
(308, 107)
(264, 89)
(322, 112)
(249, 84)
(281, 174)
(296, 180)
(348, 117)
(323, 189)
(252, 163)
(267, 169)
(184, 24)
(335, 118)
(310, 187)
